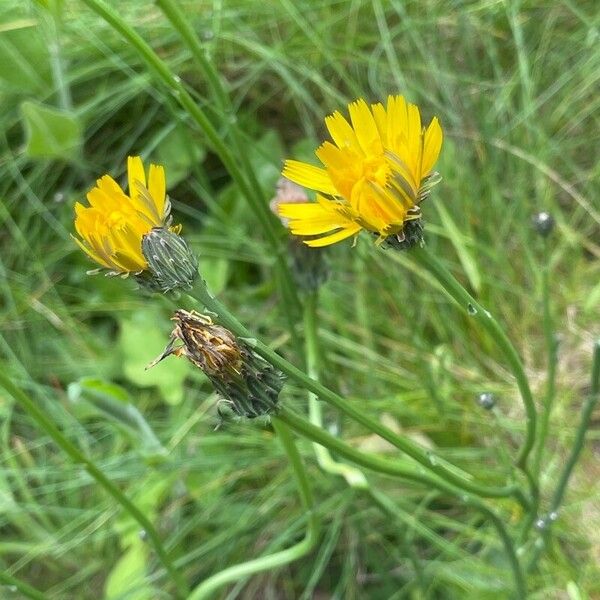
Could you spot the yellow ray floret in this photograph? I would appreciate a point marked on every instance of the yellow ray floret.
(373, 172)
(111, 228)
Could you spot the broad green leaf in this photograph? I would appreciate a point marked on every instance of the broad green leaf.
(51, 133)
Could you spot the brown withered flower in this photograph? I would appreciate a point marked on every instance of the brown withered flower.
(249, 385)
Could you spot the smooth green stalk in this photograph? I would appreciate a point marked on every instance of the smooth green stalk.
(387, 467)
(353, 476)
(584, 424)
(201, 294)
(24, 588)
(160, 69)
(208, 587)
(40, 417)
(551, 349)
(487, 321)
(182, 25)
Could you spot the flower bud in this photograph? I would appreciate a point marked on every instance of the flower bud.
(410, 236)
(543, 223)
(486, 400)
(249, 385)
(171, 263)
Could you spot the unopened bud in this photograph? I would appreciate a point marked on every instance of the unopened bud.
(249, 385)
(171, 263)
(486, 400)
(543, 223)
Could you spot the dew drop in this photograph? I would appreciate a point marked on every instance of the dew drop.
(176, 79)
(553, 516)
(541, 524)
(471, 309)
(143, 535)
(433, 460)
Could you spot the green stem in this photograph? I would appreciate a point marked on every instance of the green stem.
(40, 417)
(387, 467)
(584, 424)
(551, 349)
(21, 586)
(487, 321)
(353, 476)
(278, 559)
(201, 294)
(160, 69)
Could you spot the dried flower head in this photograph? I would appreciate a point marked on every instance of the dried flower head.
(249, 384)
(376, 173)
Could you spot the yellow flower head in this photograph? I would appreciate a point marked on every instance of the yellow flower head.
(377, 171)
(111, 228)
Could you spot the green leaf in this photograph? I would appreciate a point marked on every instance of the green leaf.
(141, 341)
(51, 133)
(215, 271)
(25, 66)
(126, 581)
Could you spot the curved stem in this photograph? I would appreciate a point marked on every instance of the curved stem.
(551, 349)
(265, 563)
(387, 467)
(487, 321)
(40, 417)
(201, 294)
(353, 476)
(584, 424)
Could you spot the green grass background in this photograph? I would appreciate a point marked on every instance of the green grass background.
(515, 85)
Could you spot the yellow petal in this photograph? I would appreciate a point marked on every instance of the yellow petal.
(397, 122)
(309, 176)
(432, 144)
(365, 128)
(344, 167)
(333, 238)
(93, 255)
(380, 117)
(341, 131)
(135, 172)
(157, 187)
(414, 142)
